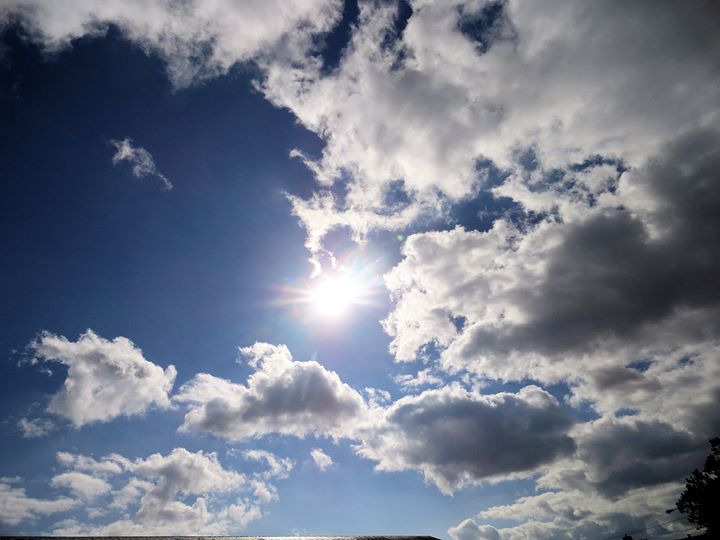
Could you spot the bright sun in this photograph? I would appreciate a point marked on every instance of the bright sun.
(333, 295)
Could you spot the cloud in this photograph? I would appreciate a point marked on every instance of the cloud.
(377, 396)
(456, 437)
(181, 492)
(424, 377)
(281, 396)
(470, 530)
(81, 485)
(141, 161)
(625, 273)
(16, 506)
(78, 462)
(576, 514)
(32, 428)
(619, 455)
(321, 459)
(168, 481)
(277, 467)
(603, 277)
(623, 474)
(105, 379)
(185, 472)
(418, 103)
(462, 83)
(197, 40)
(608, 289)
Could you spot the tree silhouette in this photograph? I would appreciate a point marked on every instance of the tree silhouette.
(701, 498)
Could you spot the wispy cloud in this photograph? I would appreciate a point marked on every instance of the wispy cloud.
(321, 459)
(32, 428)
(140, 160)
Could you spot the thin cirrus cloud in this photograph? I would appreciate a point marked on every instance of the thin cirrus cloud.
(140, 160)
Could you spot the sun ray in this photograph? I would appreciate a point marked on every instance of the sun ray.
(335, 293)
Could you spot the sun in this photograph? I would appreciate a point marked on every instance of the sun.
(334, 295)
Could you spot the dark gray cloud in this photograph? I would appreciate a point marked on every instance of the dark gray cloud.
(621, 455)
(635, 269)
(456, 437)
(611, 276)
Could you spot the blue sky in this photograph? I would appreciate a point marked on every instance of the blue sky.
(514, 212)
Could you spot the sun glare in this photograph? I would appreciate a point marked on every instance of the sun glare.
(334, 293)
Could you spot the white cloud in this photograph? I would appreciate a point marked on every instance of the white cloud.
(424, 377)
(197, 39)
(281, 396)
(277, 467)
(140, 160)
(575, 514)
(610, 293)
(570, 80)
(584, 294)
(130, 493)
(610, 265)
(377, 396)
(470, 530)
(176, 493)
(181, 492)
(81, 485)
(32, 428)
(105, 379)
(321, 459)
(88, 464)
(16, 506)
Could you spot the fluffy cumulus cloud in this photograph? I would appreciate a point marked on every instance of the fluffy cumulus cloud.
(181, 492)
(105, 379)
(457, 437)
(281, 396)
(470, 530)
(140, 160)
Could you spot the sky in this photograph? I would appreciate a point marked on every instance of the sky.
(328, 267)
